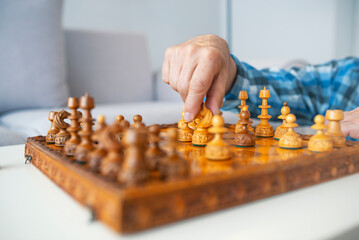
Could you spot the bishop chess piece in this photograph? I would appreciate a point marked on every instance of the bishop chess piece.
(290, 140)
(59, 121)
(184, 132)
(71, 144)
(51, 134)
(320, 142)
(244, 137)
(334, 131)
(281, 130)
(264, 129)
(243, 96)
(134, 170)
(137, 122)
(173, 166)
(85, 147)
(154, 153)
(200, 126)
(217, 148)
(96, 155)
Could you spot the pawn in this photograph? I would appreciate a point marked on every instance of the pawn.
(320, 142)
(281, 130)
(134, 170)
(119, 118)
(290, 140)
(244, 137)
(137, 121)
(59, 121)
(184, 132)
(96, 155)
(173, 166)
(334, 131)
(51, 134)
(217, 149)
(124, 125)
(154, 153)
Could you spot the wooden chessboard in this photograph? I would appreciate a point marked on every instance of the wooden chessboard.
(253, 173)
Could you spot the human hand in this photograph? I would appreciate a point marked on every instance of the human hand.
(350, 123)
(199, 67)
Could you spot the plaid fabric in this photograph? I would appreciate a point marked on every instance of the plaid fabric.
(309, 91)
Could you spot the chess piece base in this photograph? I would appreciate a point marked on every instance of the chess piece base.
(218, 152)
(338, 140)
(61, 139)
(264, 131)
(70, 148)
(245, 140)
(184, 135)
(279, 132)
(200, 137)
(290, 141)
(320, 143)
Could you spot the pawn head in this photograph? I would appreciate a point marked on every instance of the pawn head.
(137, 118)
(319, 119)
(291, 118)
(217, 121)
(154, 129)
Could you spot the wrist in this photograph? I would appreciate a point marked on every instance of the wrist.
(232, 74)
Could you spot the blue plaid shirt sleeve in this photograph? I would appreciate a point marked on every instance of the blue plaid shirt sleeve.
(309, 91)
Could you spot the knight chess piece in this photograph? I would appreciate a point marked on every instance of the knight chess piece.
(243, 96)
(62, 136)
(184, 132)
(334, 131)
(96, 155)
(264, 129)
(200, 126)
(86, 145)
(173, 166)
(281, 130)
(290, 140)
(217, 148)
(71, 144)
(51, 134)
(134, 169)
(154, 153)
(244, 137)
(320, 142)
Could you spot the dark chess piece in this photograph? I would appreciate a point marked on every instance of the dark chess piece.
(173, 166)
(71, 144)
(244, 137)
(154, 153)
(137, 121)
(96, 156)
(85, 147)
(59, 121)
(134, 170)
(111, 163)
(51, 134)
(119, 118)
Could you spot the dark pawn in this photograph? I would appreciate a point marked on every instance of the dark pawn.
(154, 153)
(96, 156)
(244, 137)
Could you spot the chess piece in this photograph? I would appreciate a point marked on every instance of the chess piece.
(184, 132)
(51, 134)
(111, 163)
(173, 166)
(96, 155)
(217, 149)
(320, 142)
(62, 136)
(281, 130)
(119, 118)
(134, 170)
(137, 121)
(200, 126)
(264, 129)
(71, 144)
(290, 140)
(244, 137)
(243, 96)
(84, 148)
(334, 131)
(154, 153)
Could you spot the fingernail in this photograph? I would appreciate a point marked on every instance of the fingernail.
(187, 117)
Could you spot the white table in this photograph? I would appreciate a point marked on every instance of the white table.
(32, 207)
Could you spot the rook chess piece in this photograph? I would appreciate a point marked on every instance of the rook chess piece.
(290, 140)
(281, 130)
(244, 137)
(264, 129)
(184, 132)
(154, 153)
(51, 134)
(334, 131)
(71, 144)
(62, 136)
(96, 155)
(320, 142)
(217, 149)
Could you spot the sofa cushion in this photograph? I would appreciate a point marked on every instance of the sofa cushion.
(32, 67)
(8, 137)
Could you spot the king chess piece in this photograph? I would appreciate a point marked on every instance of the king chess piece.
(200, 126)
(59, 121)
(96, 156)
(51, 134)
(243, 96)
(264, 129)
(217, 148)
(290, 140)
(184, 132)
(281, 130)
(71, 144)
(334, 131)
(86, 145)
(244, 137)
(320, 142)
